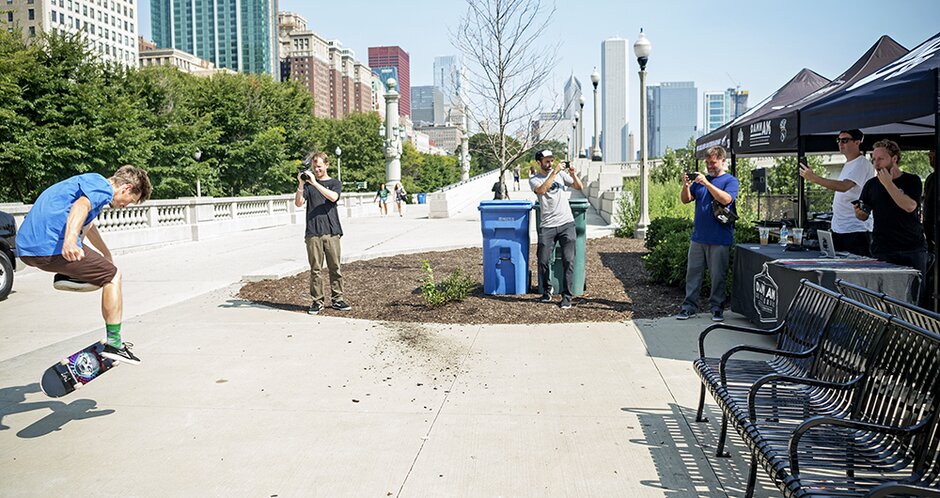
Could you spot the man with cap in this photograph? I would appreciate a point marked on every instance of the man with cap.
(549, 184)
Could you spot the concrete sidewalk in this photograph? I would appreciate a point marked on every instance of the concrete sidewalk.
(239, 399)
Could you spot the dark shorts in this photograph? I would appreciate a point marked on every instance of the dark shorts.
(93, 268)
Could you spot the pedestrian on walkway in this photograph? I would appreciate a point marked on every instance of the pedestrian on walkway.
(557, 221)
(515, 177)
(52, 234)
(323, 233)
(400, 197)
(711, 239)
(382, 197)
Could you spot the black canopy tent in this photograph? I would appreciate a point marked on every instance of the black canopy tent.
(777, 132)
(902, 99)
(802, 84)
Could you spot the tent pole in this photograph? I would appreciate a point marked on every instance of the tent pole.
(936, 186)
(801, 186)
(734, 165)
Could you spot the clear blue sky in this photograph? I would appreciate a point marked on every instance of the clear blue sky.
(758, 44)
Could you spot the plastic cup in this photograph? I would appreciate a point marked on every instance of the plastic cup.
(764, 235)
(797, 236)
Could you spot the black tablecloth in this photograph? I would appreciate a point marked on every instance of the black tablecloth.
(766, 278)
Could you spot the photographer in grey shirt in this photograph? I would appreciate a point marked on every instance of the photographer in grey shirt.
(549, 184)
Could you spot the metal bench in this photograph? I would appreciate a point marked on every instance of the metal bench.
(875, 434)
(797, 335)
(905, 311)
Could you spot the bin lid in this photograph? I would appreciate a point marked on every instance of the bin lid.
(580, 201)
(507, 204)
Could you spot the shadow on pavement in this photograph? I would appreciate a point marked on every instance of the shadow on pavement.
(242, 303)
(683, 452)
(62, 413)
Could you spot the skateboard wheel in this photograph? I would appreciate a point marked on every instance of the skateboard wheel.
(102, 341)
(64, 361)
(79, 385)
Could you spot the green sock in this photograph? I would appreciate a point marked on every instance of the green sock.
(114, 334)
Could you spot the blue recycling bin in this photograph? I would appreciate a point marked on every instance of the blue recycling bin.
(422, 198)
(505, 227)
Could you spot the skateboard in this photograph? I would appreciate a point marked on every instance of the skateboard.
(75, 371)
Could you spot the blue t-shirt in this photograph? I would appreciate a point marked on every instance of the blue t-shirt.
(43, 231)
(707, 230)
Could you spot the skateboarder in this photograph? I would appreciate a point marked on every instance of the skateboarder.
(50, 239)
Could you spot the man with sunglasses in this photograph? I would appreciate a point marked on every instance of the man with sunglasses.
(848, 232)
(549, 184)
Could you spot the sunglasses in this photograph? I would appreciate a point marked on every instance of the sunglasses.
(844, 140)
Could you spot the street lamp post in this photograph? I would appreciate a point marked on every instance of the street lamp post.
(596, 146)
(339, 165)
(642, 49)
(196, 156)
(392, 143)
(580, 140)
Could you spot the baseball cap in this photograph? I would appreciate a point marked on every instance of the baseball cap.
(543, 154)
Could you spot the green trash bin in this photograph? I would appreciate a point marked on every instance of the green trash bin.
(556, 271)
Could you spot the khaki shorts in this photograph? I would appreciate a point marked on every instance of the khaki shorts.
(93, 268)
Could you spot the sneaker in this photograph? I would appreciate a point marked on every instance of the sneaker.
(565, 302)
(66, 283)
(124, 354)
(341, 305)
(546, 298)
(718, 315)
(684, 314)
(314, 308)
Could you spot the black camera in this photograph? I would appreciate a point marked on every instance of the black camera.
(861, 205)
(692, 175)
(305, 172)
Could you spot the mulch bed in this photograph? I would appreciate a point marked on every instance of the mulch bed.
(388, 289)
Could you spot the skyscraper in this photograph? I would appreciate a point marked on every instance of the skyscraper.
(673, 112)
(237, 34)
(448, 76)
(109, 28)
(722, 107)
(615, 102)
(427, 105)
(394, 57)
(339, 83)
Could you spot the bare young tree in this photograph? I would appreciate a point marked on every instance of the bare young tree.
(508, 61)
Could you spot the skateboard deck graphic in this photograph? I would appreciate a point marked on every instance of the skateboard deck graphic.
(75, 371)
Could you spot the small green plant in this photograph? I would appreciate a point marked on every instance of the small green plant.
(456, 287)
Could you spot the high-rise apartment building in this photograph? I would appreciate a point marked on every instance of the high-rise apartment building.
(448, 76)
(109, 27)
(237, 34)
(722, 107)
(338, 82)
(673, 113)
(394, 57)
(615, 102)
(427, 105)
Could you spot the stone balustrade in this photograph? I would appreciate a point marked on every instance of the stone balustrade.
(168, 221)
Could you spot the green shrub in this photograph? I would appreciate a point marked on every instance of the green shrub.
(456, 287)
(628, 208)
(661, 227)
(667, 262)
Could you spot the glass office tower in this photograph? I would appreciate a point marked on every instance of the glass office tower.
(237, 34)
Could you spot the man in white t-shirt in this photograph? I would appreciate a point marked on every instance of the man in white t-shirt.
(848, 232)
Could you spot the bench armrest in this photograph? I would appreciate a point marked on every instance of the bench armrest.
(851, 424)
(757, 349)
(735, 328)
(791, 379)
(886, 490)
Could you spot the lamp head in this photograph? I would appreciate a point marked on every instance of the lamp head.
(339, 151)
(595, 78)
(642, 49)
(391, 84)
(581, 101)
